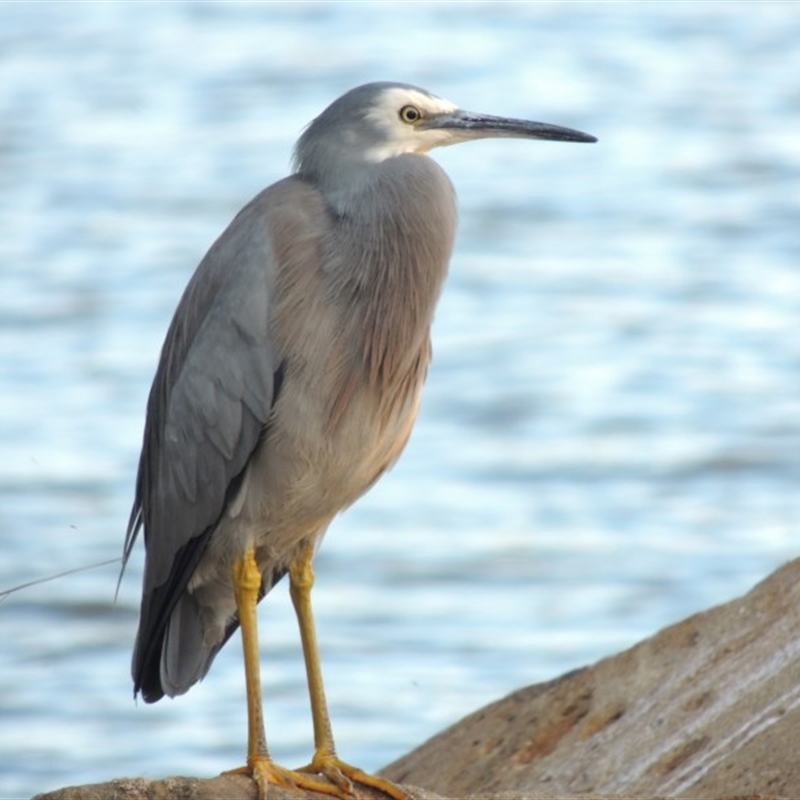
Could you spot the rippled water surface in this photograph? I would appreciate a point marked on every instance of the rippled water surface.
(610, 435)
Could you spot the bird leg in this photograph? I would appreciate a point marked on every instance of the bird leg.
(246, 586)
(325, 761)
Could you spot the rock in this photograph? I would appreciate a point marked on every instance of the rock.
(230, 787)
(221, 787)
(708, 708)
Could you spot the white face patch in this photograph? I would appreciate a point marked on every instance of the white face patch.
(402, 137)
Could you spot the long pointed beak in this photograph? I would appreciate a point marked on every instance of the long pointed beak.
(464, 125)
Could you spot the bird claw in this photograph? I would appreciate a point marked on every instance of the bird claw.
(345, 777)
(264, 771)
(339, 782)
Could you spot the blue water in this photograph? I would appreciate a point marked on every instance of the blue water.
(610, 435)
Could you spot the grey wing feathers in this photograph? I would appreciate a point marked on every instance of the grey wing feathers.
(207, 410)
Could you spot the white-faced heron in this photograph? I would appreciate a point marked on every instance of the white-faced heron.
(288, 383)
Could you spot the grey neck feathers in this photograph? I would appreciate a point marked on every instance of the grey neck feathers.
(394, 237)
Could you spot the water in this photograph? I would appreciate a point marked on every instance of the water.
(610, 435)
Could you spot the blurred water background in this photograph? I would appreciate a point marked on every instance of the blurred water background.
(610, 434)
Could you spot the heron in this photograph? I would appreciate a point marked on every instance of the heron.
(288, 383)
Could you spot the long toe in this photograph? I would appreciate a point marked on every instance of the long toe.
(345, 779)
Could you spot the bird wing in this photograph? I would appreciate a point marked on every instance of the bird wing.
(208, 407)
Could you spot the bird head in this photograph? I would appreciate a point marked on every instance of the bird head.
(377, 121)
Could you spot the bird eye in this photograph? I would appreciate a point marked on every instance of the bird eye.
(410, 114)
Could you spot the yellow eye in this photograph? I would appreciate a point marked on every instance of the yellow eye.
(410, 114)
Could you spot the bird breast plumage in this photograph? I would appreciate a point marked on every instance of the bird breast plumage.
(352, 305)
(352, 316)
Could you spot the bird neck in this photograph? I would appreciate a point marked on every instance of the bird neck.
(395, 236)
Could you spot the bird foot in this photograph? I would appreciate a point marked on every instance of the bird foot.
(265, 771)
(345, 777)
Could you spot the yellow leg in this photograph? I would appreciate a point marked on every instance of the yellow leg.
(246, 586)
(325, 761)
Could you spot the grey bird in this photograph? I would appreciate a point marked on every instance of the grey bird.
(288, 383)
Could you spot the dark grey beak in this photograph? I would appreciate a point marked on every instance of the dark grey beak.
(467, 125)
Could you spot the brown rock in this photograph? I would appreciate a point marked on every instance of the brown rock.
(177, 788)
(221, 787)
(707, 708)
